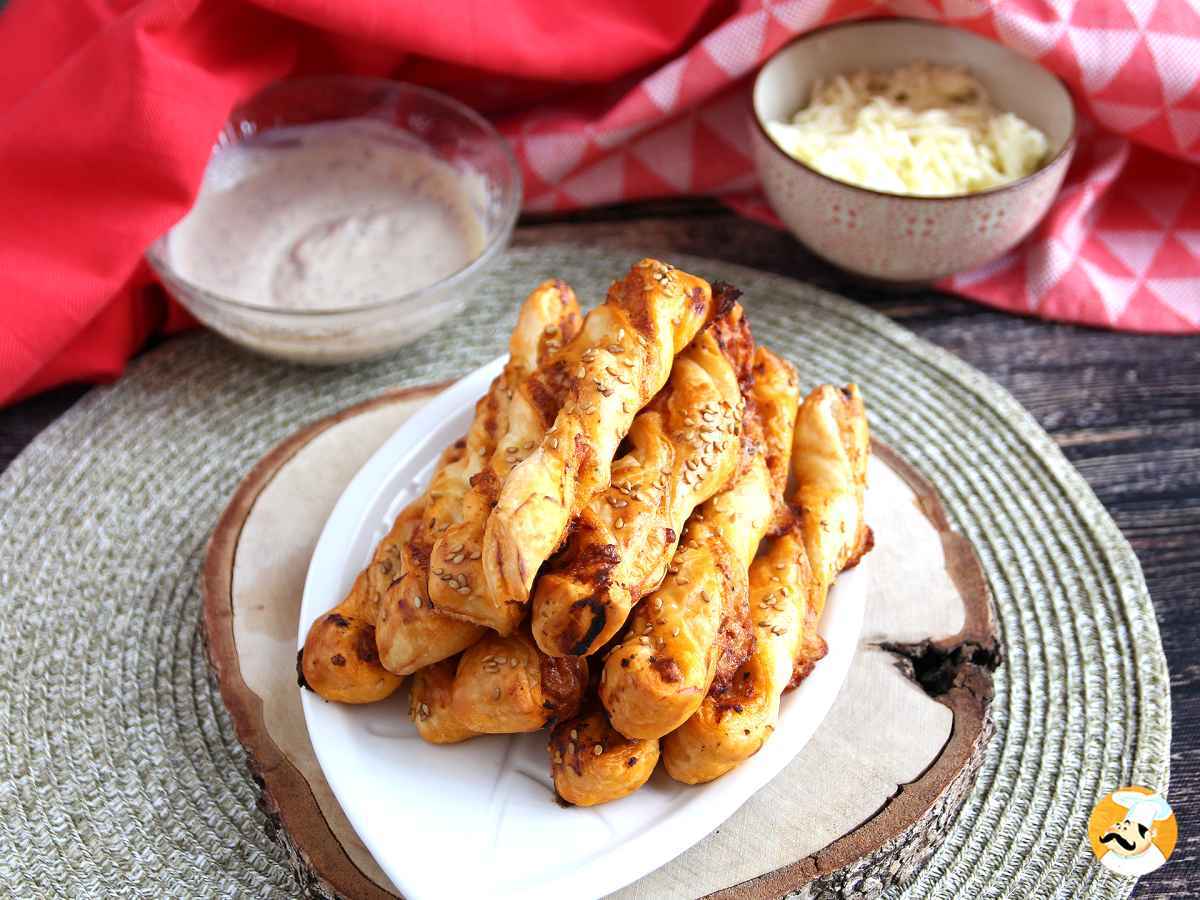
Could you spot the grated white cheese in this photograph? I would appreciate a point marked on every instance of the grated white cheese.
(920, 129)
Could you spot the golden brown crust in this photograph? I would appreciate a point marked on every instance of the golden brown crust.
(829, 465)
(410, 633)
(505, 685)
(340, 660)
(812, 647)
(777, 393)
(789, 584)
(412, 630)
(429, 704)
(593, 763)
(531, 402)
(735, 720)
(646, 319)
(719, 635)
(681, 449)
(659, 675)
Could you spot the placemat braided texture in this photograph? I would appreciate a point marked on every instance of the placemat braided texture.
(119, 768)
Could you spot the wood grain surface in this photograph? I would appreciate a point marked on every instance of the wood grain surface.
(1125, 409)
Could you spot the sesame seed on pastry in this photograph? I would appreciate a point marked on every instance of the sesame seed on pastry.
(645, 320)
(412, 630)
(683, 448)
(696, 627)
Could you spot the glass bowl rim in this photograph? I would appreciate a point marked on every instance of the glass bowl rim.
(156, 256)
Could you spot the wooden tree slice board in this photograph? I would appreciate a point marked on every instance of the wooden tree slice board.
(861, 806)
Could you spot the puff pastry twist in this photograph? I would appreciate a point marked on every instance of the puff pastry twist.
(456, 585)
(829, 464)
(682, 448)
(787, 590)
(429, 704)
(591, 762)
(682, 633)
(340, 660)
(731, 726)
(506, 685)
(625, 352)
(412, 632)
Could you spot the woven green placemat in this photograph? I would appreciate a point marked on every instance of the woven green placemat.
(119, 768)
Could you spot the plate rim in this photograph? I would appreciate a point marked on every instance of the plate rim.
(361, 492)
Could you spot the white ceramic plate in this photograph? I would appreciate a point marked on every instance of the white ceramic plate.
(479, 818)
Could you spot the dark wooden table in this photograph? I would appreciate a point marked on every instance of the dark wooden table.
(1124, 408)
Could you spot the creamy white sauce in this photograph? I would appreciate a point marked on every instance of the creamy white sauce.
(326, 216)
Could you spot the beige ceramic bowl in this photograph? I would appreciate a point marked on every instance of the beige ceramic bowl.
(889, 236)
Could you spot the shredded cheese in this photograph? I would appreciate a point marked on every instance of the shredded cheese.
(920, 129)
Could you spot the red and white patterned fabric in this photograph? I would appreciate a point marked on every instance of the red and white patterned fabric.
(108, 112)
(1120, 248)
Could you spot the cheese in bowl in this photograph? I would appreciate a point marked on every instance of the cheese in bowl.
(919, 129)
(906, 151)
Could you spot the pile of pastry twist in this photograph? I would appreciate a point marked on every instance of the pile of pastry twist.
(632, 544)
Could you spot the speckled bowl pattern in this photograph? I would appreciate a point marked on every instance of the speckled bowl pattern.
(888, 236)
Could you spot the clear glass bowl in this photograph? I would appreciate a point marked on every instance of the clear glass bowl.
(450, 131)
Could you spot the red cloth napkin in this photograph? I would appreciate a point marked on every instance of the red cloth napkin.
(108, 113)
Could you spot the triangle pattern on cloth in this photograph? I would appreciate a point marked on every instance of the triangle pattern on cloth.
(1138, 84)
(1185, 124)
(1162, 201)
(1191, 240)
(1135, 249)
(1114, 291)
(735, 46)
(667, 152)
(1101, 52)
(641, 182)
(601, 182)
(1174, 260)
(717, 160)
(1141, 10)
(1078, 220)
(1109, 156)
(1181, 295)
(633, 111)
(1122, 116)
(1175, 57)
(729, 117)
(983, 273)
(552, 156)
(799, 15)
(1103, 15)
(1049, 261)
(702, 78)
(1030, 36)
(1173, 17)
(615, 137)
(663, 85)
